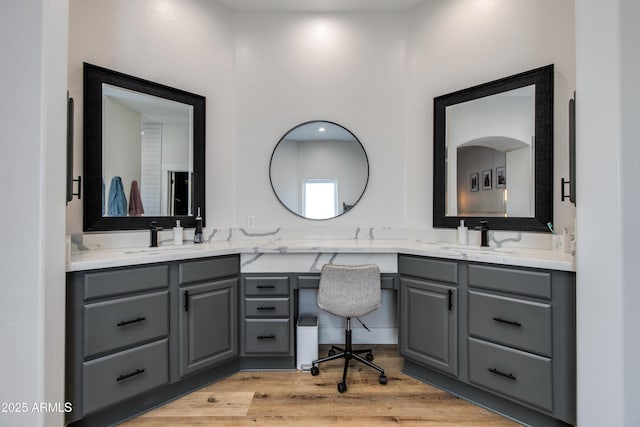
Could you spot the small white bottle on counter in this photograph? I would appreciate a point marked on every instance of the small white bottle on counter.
(463, 233)
(177, 233)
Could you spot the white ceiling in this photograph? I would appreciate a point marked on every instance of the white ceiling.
(321, 5)
(151, 108)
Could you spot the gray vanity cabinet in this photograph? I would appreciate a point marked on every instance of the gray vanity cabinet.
(117, 335)
(208, 301)
(139, 336)
(267, 313)
(521, 336)
(429, 313)
(511, 335)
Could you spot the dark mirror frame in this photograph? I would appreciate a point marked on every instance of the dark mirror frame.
(273, 188)
(94, 77)
(543, 79)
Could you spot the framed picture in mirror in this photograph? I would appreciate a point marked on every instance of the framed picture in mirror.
(474, 182)
(486, 180)
(501, 177)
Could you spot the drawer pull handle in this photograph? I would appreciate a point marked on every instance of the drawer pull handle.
(129, 322)
(132, 374)
(266, 286)
(508, 322)
(266, 308)
(267, 337)
(502, 374)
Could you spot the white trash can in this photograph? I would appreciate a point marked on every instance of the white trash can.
(307, 342)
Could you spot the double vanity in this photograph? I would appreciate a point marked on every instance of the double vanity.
(494, 325)
(145, 325)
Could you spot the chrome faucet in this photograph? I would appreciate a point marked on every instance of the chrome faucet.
(154, 234)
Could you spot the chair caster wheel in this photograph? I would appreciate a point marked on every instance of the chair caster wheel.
(383, 379)
(369, 357)
(332, 352)
(342, 387)
(315, 371)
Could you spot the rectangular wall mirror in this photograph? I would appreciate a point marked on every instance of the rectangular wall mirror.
(493, 153)
(144, 149)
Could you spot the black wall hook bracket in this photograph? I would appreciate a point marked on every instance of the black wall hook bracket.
(563, 184)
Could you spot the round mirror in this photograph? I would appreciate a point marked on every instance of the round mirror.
(319, 170)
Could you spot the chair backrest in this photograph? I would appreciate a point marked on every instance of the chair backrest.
(349, 290)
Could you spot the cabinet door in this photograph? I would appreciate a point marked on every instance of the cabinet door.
(428, 324)
(208, 324)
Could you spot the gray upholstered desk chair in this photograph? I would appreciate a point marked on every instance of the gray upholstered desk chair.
(349, 291)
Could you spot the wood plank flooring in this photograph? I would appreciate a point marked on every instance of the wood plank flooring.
(294, 398)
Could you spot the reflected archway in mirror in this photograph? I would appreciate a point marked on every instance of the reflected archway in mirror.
(493, 153)
(319, 170)
(144, 146)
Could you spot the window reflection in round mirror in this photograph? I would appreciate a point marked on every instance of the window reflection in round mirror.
(319, 170)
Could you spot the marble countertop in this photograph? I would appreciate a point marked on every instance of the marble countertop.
(106, 258)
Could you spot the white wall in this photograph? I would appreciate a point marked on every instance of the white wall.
(344, 68)
(175, 147)
(122, 147)
(519, 177)
(455, 44)
(184, 44)
(33, 42)
(374, 73)
(607, 108)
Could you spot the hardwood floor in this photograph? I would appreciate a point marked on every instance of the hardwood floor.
(294, 398)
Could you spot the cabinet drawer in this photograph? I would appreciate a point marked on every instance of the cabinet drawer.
(208, 269)
(117, 323)
(518, 375)
(523, 282)
(119, 376)
(266, 336)
(513, 322)
(267, 285)
(267, 307)
(441, 271)
(118, 282)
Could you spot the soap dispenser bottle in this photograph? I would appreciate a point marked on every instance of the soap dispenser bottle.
(463, 235)
(177, 233)
(197, 236)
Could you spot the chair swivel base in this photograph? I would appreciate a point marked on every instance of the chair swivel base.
(348, 353)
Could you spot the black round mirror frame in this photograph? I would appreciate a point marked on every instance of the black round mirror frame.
(543, 189)
(355, 139)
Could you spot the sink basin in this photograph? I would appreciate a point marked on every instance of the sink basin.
(479, 250)
(159, 249)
